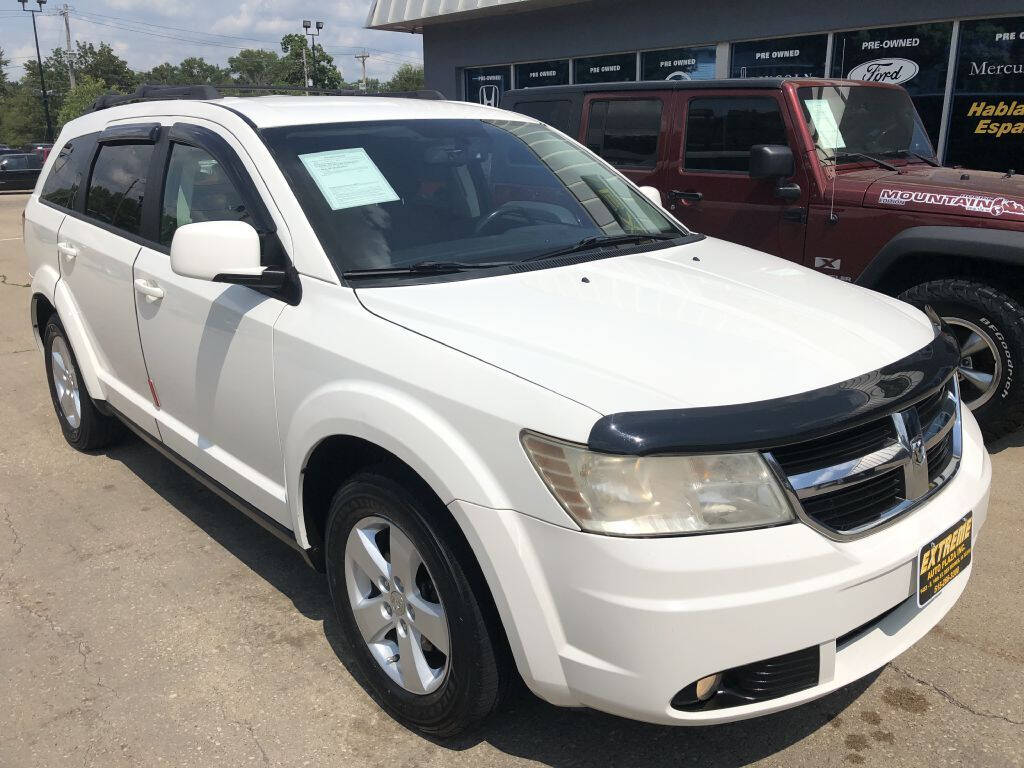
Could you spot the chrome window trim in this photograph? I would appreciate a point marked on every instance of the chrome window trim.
(899, 454)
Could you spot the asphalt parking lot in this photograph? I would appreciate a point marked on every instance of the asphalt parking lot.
(144, 622)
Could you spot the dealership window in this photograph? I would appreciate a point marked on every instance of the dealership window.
(782, 57)
(679, 64)
(540, 73)
(720, 132)
(486, 85)
(916, 57)
(986, 115)
(617, 68)
(625, 132)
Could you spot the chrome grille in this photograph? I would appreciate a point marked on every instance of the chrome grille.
(849, 483)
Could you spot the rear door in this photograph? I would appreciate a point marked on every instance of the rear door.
(96, 250)
(627, 130)
(710, 188)
(209, 346)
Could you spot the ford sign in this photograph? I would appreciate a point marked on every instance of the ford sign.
(894, 71)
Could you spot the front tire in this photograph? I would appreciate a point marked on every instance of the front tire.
(990, 328)
(412, 606)
(84, 427)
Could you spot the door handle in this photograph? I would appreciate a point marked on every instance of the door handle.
(67, 250)
(695, 197)
(149, 290)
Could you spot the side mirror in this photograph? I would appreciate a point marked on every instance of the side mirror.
(218, 251)
(652, 194)
(771, 161)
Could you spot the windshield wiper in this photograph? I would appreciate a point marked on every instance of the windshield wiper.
(590, 243)
(423, 268)
(872, 158)
(923, 158)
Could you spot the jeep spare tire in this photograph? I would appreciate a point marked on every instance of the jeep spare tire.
(990, 328)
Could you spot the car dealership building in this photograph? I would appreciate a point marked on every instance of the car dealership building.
(963, 62)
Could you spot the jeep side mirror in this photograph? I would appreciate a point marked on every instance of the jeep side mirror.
(771, 161)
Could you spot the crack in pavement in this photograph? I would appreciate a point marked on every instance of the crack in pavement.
(953, 700)
(19, 545)
(3, 281)
(249, 727)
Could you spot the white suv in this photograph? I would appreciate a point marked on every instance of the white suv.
(522, 417)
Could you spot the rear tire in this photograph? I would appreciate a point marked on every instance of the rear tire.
(989, 325)
(84, 427)
(444, 692)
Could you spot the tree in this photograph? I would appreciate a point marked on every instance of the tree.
(103, 64)
(21, 116)
(196, 71)
(4, 62)
(407, 78)
(161, 74)
(290, 70)
(254, 66)
(87, 89)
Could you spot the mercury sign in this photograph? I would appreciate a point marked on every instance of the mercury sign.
(893, 71)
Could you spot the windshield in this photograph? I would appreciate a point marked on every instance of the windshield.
(394, 194)
(847, 121)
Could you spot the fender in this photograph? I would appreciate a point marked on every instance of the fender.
(44, 285)
(378, 414)
(82, 345)
(1001, 246)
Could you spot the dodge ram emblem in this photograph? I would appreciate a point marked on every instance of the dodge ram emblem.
(917, 451)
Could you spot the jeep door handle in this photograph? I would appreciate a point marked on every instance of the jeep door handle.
(149, 290)
(67, 250)
(695, 197)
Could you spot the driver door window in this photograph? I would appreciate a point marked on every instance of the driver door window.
(196, 189)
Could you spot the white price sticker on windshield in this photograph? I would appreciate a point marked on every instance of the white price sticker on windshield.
(348, 178)
(829, 135)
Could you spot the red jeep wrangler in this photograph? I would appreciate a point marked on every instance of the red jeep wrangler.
(838, 175)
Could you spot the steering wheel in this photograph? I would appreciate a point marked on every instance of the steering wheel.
(503, 211)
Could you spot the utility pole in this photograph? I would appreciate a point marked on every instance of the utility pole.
(305, 69)
(362, 60)
(39, 58)
(66, 12)
(306, 26)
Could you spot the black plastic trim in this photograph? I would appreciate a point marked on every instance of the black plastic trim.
(1003, 246)
(148, 133)
(258, 516)
(768, 423)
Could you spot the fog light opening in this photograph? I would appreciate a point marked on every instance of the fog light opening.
(695, 695)
(708, 686)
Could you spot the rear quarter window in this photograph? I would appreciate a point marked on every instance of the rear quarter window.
(625, 132)
(67, 174)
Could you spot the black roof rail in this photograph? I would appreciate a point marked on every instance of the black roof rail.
(420, 94)
(154, 93)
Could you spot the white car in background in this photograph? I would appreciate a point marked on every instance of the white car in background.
(523, 419)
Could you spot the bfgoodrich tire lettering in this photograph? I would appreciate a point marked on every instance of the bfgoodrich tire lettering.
(475, 674)
(990, 324)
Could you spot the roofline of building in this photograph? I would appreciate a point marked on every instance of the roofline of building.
(413, 15)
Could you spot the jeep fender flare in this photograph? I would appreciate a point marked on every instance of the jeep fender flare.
(1000, 246)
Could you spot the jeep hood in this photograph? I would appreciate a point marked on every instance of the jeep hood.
(950, 191)
(707, 323)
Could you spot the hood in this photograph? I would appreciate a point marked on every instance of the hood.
(708, 323)
(950, 191)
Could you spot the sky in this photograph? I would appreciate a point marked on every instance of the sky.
(149, 33)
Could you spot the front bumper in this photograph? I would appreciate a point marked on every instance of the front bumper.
(621, 625)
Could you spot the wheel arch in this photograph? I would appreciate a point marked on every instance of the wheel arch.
(921, 254)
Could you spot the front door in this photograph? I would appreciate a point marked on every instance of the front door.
(209, 346)
(709, 188)
(96, 254)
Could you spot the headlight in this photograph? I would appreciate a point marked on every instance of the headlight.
(658, 495)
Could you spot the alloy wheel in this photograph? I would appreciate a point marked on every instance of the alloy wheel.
(396, 605)
(981, 364)
(65, 382)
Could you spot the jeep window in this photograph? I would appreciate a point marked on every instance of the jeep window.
(720, 132)
(196, 189)
(397, 193)
(557, 114)
(847, 121)
(117, 185)
(67, 172)
(625, 132)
